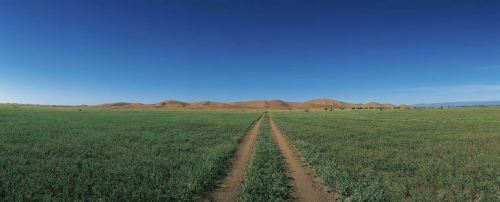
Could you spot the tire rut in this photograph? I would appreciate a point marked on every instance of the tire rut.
(228, 190)
(306, 185)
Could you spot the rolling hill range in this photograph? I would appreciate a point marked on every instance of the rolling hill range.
(255, 104)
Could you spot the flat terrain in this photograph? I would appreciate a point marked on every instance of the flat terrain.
(265, 176)
(70, 153)
(396, 155)
(228, 190)
(306, 185)
(63, 154)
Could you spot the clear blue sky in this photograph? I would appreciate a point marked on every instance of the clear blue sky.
(399, 51)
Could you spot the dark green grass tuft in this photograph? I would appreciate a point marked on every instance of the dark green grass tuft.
(64, 154)
(265, 178)
(398, 155)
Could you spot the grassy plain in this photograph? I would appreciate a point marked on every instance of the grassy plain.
(63, 154)
(265, 178)
(401, 155)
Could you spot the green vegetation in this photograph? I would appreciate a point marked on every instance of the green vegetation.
(265, 178)
(395, 155)
(67, 154)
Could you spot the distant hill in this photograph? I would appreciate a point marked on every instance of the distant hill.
(254, 104)
(471, 103)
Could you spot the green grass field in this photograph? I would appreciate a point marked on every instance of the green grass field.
(63, 154)
(265, 178)
(397, 155)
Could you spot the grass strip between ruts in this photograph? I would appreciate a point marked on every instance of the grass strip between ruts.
(265, 178)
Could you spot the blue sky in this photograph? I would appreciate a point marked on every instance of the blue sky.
(398, 51)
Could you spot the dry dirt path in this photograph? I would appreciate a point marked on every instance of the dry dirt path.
(307, 186)
(228, 190)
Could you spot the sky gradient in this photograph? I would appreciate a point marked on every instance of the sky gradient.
(399, 51)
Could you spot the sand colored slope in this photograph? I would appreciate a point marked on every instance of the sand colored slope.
(300, 105)
(207, 105)
(307, 186)
(136, 105)
(388, 105)
(123, 105)
(255, 104)
(325, 101)
(228, 190)
(371, 104)
(118, 104)
(171, 104)
(276, 104)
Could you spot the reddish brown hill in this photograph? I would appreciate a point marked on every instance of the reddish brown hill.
(255, 104)
(207, 105)
(299, 105)
(171, 104)
(388, 105)
(119, 104)
(259, 104)
(122, 105)
(324, 101)
(371, 104)
(277, 104)
(136, 105)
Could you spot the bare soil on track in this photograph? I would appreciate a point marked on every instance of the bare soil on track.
(228, 190)
(306, 185)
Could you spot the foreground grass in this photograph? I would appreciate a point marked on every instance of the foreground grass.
(63, 154)
(397, 155)
(265, 178)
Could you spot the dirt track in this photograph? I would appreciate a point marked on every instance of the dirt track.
(228, 190)
(307, 187)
